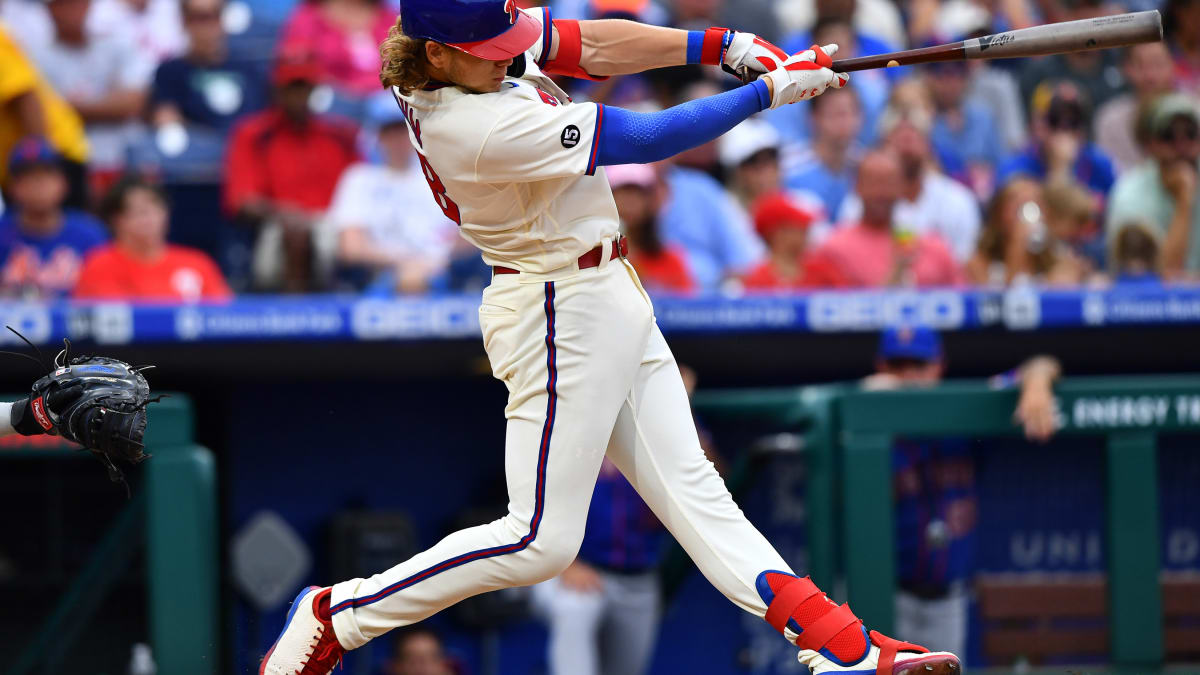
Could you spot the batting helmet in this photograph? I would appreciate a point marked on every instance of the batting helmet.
(489, 29)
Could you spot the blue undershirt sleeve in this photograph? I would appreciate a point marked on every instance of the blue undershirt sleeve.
(628, 137)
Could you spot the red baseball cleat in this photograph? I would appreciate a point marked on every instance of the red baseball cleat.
(307, 645)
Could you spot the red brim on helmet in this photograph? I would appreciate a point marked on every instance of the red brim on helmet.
(516, 40)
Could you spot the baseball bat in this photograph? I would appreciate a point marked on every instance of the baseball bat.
(1104, 32)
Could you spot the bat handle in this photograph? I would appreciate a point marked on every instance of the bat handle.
(744, 74)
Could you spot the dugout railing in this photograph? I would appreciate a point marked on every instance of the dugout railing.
(849, 436)
(172, 516)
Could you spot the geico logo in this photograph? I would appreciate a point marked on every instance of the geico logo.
(377, 320)
(871, 311)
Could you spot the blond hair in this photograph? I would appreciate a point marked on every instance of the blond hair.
(405, 65)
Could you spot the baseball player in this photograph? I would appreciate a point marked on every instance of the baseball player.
(566, 325)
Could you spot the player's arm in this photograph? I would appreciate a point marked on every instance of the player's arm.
(539, 140)
(1035, 408)
(627, 137)
(601, 48)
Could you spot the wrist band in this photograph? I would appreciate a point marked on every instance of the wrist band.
(708, 47)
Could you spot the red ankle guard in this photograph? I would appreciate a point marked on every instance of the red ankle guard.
(823, 624)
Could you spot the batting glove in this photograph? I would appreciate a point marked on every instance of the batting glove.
(751, 56)
(806, 75)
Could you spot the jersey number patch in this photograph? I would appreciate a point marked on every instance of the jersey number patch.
(439, 191)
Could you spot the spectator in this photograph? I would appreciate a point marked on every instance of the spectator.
(1016, 246)
(385, 218)
(140, 264)
(1136, 255)
(933, 18)
(1181, 26)
(997, 89)
(828, 168)
(153, 27)
(795, 123)
(783, 224)
(29, 106)
(283, 167)
(109, 93)
(343, 36)
(749, 155)
(639, 196)
(205, 88)
(633, 10)
(1072, 219)
(42, 245)
(1096, 73)
(150, 26)
(1162, 190)
(1060, 148)
(603, 611)
(706, 223)
(417, 650)
(756, 16)
(935, 490)
(877, 24)
(931, 203)
(875, 252)
(1148, 68)
(964, 130)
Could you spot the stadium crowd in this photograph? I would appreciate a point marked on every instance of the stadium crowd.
(193, 149)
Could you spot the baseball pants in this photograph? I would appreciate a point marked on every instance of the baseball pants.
(588, 374)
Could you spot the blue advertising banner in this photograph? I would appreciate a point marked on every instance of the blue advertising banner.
(450, 317)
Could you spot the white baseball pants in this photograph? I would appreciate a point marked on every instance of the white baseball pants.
(588, 373)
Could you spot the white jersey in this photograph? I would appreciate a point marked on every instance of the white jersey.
(516, 169)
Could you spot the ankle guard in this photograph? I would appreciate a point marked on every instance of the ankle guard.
(805, 616)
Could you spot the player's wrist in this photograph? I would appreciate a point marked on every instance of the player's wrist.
(23, 418)
(765, 87)
(708, 47)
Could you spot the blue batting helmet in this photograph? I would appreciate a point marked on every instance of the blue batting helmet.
(489, 29)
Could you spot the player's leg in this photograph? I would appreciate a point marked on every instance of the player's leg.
(631, 624)
(567, 351)
(656, 446)
(574, 620)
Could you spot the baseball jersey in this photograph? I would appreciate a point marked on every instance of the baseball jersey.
(46, 265)
(178, 275)
(516, 169)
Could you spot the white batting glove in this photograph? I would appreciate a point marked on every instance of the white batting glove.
(806, 75)
(751, 56)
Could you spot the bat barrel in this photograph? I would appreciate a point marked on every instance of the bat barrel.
(1103, 32)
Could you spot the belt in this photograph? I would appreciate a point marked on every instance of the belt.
(586, 261)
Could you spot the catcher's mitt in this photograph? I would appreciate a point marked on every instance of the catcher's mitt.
(95, 401)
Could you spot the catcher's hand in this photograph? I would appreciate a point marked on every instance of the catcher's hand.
(95, 401)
